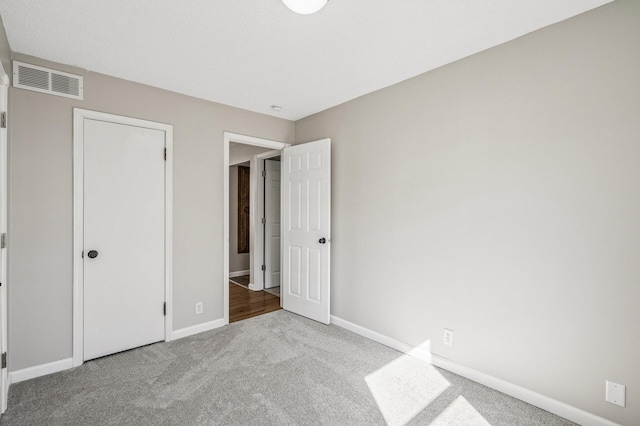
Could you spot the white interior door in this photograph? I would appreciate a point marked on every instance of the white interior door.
(124, 202)
(306, 229)
(272, 224)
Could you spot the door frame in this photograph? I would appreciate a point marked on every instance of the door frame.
(4, 211)
(79, 115)
(260, 250)
(246, 140)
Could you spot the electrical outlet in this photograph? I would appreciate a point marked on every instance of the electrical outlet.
(447, 337)
(615, 393)
(199, 308)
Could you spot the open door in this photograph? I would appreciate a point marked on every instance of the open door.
(306, 229)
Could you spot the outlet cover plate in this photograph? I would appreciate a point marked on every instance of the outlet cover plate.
(447, 337)
(615, 393)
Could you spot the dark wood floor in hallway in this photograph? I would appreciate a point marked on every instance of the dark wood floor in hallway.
(244, 303)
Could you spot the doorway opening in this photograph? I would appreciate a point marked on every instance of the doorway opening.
(247, 258)
(247, 297)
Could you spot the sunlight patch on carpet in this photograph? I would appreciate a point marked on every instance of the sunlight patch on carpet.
(460, 412)
(404, 387)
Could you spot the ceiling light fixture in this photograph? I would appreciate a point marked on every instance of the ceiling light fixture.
(305, 7)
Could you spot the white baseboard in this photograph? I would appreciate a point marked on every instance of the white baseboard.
(554, 406)
(551, 405)
(40, 370)
(423, 353)
(195, 329)
(65, 364)
(238, 273)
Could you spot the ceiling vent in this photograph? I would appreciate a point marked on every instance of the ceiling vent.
(46, 80)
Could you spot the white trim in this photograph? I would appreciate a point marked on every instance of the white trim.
(257, 238)
(247, 140)
(238, 273)
(4, 77)
(199, 328)
(78, 238)
(168, 235)
(534, 398)
(40, 370)
(269, 154)
(418, 352)
(255, 264)
(79, 115)
(4, 178)
(65, 364)
(551, 405)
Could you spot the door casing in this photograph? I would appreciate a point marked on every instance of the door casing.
(79, 115)
(258, 253)
(4, 98)
(268, 253)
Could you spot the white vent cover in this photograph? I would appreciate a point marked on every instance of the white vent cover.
(46, 80)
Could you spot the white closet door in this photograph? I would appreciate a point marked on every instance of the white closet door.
(124, 201)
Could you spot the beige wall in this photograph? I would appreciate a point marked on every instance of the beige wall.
(40, 228)
(241, 153)
(498, 197)
(237, 261)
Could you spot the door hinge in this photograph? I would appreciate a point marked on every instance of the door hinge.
(4, 360)
(164, 309)
(3, 240)
(264, 221)
(264, 173)
(165, 154)
(3, 120)
(264, 267)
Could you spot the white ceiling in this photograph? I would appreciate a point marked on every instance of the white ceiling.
(255, 53)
